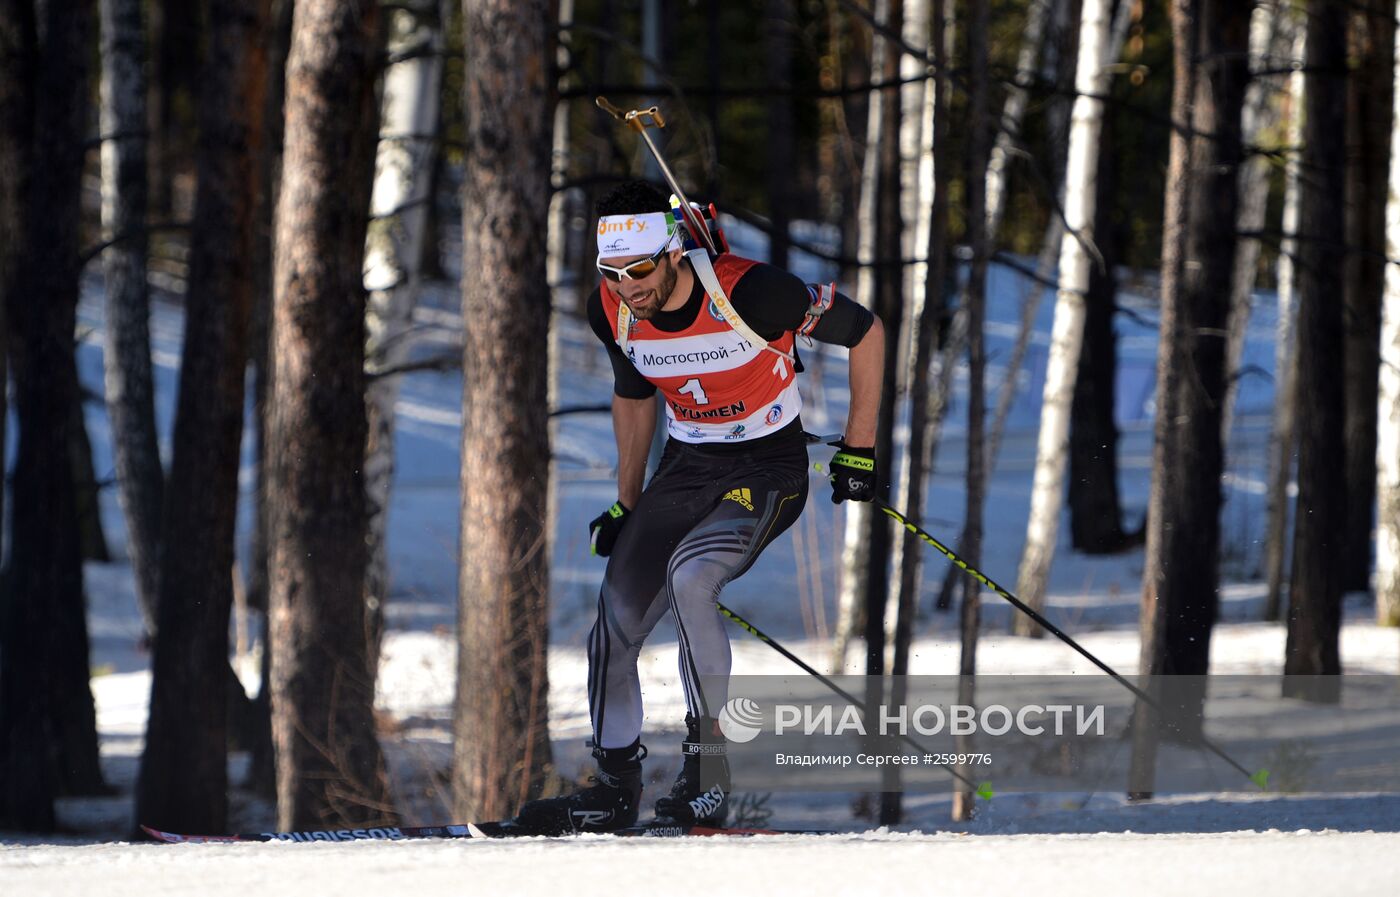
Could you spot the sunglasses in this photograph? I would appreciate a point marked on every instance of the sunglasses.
(635, 270)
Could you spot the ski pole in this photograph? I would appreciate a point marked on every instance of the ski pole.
(984, 790)
(1259, 778)
(639, 120)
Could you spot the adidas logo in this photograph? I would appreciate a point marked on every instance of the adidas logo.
(742, 496)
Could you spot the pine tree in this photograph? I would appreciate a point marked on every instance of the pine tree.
(330, 769)
(1319, 529)
(500, 724)
(184, 777)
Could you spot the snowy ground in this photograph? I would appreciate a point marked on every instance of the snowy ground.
(1268, 863)
(1054, 844)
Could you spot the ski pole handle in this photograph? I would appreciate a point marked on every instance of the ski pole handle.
(639, 120)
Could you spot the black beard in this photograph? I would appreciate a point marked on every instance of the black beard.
(663, 293)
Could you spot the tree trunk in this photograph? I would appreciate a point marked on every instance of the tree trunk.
(48, 731)
(853, 596)
(13, 156)
(1181, 580)
(1388, 402)
(917, 114)
(127, 352)
(889, 306)
(1091, 81)
(1095, 518)
(563, 202)
(855, 550)
(1017, 96)
(1054, 235)
(175, 82)
(90, 535)
(262, 771)
(1371, 35)
(564, 207)
(853, 64)
(330, 770)
(28, 774)
(915, 196)
(500, 724)
(780, 26)
(1270, 40)
(1319, 530)
(978, 160)
(260, 334)
(394, 250)
(912, 142)
(60, 117)
(184, 777)
(1283, 435)
(1180, 583)
(928, 320)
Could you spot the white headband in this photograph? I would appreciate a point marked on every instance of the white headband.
(620, 235)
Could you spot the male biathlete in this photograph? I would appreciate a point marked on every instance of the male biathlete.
(717, 335)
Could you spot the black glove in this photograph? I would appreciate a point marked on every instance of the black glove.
(852, 474)
(603, 530)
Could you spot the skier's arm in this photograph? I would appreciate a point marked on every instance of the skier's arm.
(634, 422)
(633, 409)
(867, 371)
(772, 300)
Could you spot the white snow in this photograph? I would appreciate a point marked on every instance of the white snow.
(1271, 863)
(1043, 844)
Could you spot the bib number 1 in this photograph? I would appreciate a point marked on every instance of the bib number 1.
(693, 389)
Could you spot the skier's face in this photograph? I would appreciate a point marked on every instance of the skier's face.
(648, 295)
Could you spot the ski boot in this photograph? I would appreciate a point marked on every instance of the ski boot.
(700, 795)
(611, 802)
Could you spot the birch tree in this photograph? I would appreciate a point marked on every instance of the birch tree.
(915, 196)
(1388, 403)
(1271, 32)
(913, 144)
(127, 352)
(500, 724)
(927, 312)
(1283, 434)
(923, 26)
(1054, 234)
(1091, 82)
(889, 307)
(1014, 110)
(1095, 511)
(855, 553)
(927, 283)
(394, 248)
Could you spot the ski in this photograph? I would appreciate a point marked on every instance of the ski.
(479, 830)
